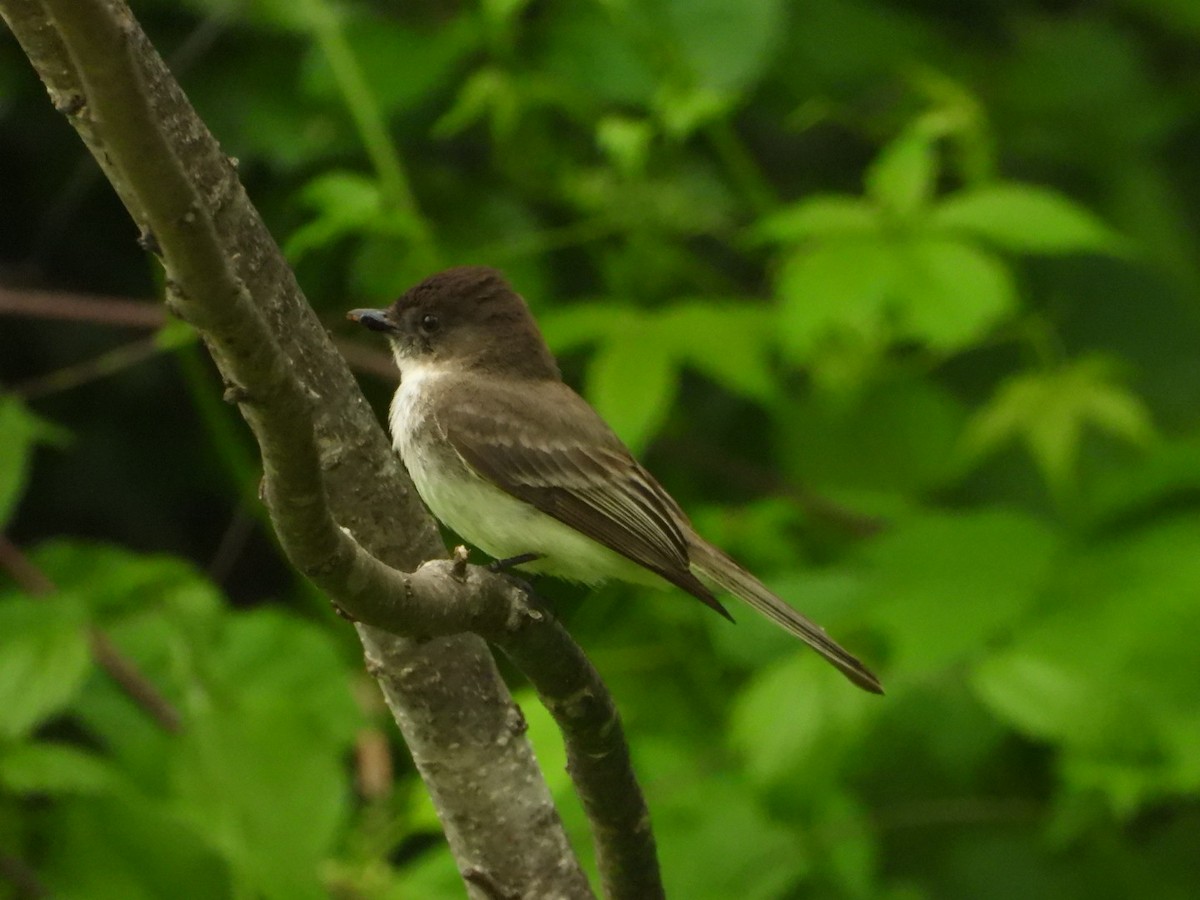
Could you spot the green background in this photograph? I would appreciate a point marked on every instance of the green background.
(899, 299)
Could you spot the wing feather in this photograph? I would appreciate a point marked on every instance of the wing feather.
(591, 483)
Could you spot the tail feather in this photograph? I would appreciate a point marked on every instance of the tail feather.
(711, 564)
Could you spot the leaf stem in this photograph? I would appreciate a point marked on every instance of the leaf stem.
(360, 101)
(742, 167)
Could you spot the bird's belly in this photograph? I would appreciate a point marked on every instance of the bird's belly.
(503, 526)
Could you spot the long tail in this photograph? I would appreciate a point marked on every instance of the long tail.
(710, 563)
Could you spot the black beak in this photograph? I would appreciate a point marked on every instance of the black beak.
(374, 319)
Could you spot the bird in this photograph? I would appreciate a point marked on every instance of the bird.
(507, 455)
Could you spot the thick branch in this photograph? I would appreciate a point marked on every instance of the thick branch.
(325, 457)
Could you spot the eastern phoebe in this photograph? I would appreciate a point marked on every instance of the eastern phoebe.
(508, 456)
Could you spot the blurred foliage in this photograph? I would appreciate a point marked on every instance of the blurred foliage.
(899, 299)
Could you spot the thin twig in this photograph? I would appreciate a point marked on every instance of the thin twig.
(78, 374)
(233, 542)
(957, 812)
(28, 576)
(72, 307)
(125, 312)
(121, 669)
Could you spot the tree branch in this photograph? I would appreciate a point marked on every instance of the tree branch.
(327, 462)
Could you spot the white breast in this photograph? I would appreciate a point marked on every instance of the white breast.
(482, 513)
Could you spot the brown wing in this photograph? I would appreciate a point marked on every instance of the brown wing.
(582, 475)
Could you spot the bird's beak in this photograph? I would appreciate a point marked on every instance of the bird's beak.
(374, 319)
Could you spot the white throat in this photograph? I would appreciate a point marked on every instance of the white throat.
(410, 402)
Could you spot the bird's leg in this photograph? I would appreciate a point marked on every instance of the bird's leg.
(511, 562)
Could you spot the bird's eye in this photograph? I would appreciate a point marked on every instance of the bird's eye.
(429, 323)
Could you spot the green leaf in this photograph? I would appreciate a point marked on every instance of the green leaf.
(285, 15)
(1048, 412)
(43, 660)
(683, 111)
(836, 289)
(829, 215)
(272, 685)
(724, 47)
(266, 654)
(1042, 696)
(1026, 219)
(953, 293)
(1114, 409)
(503, 11)
(852, 847)
(871, 292)
(942, 586)
(911, 425)
(42, 768)
(794, 721)
(631, 381)
(488, 93)
(403, 65)
(903, 177)
(112, 581)
(20, 432)
(1108, 673)
(17, 439)
(626, 142)
(433, 875)
(729, 343)
(547, 740)
(745, 852)
(346, 203)
(162, 614)
(587, 54)
(567, 328)
(120, 845)
(1169, 469)
(270, 811)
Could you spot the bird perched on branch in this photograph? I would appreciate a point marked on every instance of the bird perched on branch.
(505, 453)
